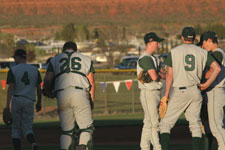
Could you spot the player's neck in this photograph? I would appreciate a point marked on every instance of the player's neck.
(214, 46)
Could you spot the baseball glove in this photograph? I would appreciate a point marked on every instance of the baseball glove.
(163, 106)
(49, 94)
(7, 117)
(144, 77)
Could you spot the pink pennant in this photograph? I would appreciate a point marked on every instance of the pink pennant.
(3, 84)
(128, 84)
(42, 83)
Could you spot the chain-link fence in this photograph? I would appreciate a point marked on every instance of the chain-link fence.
(116, 92)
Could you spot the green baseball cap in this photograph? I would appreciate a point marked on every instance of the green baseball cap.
(188, 32)
(153, 36)
(209, 35)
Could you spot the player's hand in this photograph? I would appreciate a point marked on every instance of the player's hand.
(203, 86)
(38, 107)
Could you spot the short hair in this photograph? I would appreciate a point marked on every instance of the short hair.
(188, 39)
(70, 45)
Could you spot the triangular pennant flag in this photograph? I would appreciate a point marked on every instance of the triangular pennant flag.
(42, 83)
(3, 84)
(103, 85)
(128, 84)
(116, 85)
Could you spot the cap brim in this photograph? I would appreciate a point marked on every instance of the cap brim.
(160, 40)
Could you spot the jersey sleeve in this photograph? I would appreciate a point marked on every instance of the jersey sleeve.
(50, 67)
(218, 56)
(168, 60)
(10, 77)
(39, 77)
(210, 59)
(92, 69)
(146, 63)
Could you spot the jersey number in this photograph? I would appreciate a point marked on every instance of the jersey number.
(75, 64)
(25, 78)
(190, 62)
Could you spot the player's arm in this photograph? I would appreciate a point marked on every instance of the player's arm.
(39, 93)
(9, 94)
(49, 78)
(215, 70)
(146, 63)
(91, 79)
(162, 74)
(169, 75)
(218, 57)
(169, 81)
(11, 83)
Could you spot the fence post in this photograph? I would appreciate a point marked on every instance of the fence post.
(105, 97)
(133, 110)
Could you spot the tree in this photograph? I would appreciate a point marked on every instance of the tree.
(69, 32)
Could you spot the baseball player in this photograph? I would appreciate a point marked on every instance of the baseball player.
(216, 92)
(22, 80)
(186, 63)
(73, 77)
(207, 134)
(150, 92)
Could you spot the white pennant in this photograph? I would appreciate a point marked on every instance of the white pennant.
(116, 85)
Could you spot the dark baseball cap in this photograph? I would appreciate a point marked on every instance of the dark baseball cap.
(153, 36)
(209, 35)
(200, 43)
(20, 52)
(188, 32)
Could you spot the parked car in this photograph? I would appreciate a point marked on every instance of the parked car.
(128, 62)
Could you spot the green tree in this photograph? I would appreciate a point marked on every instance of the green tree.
(69, 32)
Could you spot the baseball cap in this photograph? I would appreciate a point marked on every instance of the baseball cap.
(188, 32)
(209, 35)
(153, 36)
(20, 52)
(200, 41)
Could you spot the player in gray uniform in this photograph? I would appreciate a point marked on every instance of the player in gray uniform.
(22, 80)
(150, 92)
(216, 92)
(73, 77)
(186, 63)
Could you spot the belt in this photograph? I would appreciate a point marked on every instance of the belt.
(182, 88)
(16, 95)
(80, 88)
(76, 87)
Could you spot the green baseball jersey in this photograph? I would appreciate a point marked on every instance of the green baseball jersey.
(25, 78)
(71, 69)
(188, 62)
(148, 62)
(219, 56)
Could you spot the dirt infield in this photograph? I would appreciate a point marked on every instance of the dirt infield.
(123, 135)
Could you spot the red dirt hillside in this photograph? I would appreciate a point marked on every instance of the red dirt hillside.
(116, 8)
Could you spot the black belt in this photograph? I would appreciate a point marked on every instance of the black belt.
(16, 95)
(76, 87)
(80, 88)
(182, 88)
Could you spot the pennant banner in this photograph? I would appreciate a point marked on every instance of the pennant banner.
(42, 83)
(3, 84)
(103, 85)
(116, 85)
(128, 84)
